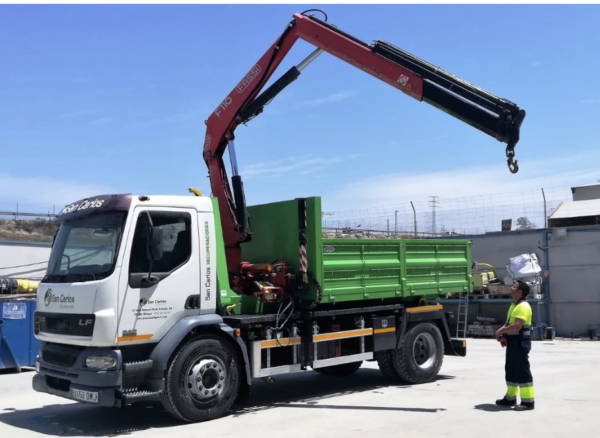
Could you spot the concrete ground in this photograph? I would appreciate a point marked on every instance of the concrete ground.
(460, 403)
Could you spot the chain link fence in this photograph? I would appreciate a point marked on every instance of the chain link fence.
(438, 216)
(432, 217)
(27, 210)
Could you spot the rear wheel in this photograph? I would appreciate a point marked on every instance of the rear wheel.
(345, 369)
(384, 360)
(202, 380)
(420, 356)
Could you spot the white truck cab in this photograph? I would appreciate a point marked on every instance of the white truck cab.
(123, 271)
(101, 282)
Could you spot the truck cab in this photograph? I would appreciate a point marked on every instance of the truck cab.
(106, 294)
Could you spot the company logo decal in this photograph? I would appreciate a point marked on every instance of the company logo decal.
(84, 205)
(50, 298)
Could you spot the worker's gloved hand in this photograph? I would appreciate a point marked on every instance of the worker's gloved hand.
(503, 342)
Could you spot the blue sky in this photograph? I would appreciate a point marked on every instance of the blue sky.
(99, 99)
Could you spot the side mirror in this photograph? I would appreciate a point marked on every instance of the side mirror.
(155, 244)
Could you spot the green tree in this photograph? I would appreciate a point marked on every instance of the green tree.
(523, 223)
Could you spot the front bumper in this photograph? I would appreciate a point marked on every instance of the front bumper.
(106, 396)
(61, 371)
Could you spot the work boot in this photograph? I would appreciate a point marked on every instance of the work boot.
(525, 406)
(506, 402)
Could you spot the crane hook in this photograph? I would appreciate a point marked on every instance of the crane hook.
(512, 164)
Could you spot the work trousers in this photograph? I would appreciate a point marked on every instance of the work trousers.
(518, 370)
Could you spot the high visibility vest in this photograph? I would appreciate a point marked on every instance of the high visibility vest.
(522, 310)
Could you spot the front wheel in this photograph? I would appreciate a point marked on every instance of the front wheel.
(202, 380)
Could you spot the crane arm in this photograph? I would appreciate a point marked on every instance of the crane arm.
(418, 79)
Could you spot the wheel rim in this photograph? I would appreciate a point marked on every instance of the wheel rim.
(424, 350)
(206, 378)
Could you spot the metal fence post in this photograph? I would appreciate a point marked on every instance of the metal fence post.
(415, 216)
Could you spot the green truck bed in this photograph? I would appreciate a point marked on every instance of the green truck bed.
(358, 269)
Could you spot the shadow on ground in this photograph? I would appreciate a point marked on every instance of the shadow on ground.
(489, 407)
(299, 391)
(6, 371)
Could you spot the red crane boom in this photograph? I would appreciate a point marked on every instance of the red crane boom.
(418, 79)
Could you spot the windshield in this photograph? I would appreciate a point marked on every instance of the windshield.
(86, 248)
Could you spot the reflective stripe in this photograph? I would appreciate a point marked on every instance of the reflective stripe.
(509, 398)
(525, 385)
(134, 338)
(281, 342)
(511, 384)
(384, 330)
(527, 400)
(527, 393)
(424, 309)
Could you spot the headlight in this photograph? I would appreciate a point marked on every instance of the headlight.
(100, 362)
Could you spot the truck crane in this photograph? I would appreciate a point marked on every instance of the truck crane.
(184, 299)
(419, 79)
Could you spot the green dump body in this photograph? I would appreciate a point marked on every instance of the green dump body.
(351, 270)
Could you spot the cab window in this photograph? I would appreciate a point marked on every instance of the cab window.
(177, 242)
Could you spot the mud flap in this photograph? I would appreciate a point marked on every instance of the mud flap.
(459, 347)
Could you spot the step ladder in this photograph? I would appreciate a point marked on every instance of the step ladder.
(461, 322)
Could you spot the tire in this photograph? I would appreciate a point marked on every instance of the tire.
(345, 369)
(384, 360)
(421, 354)
(206, 363)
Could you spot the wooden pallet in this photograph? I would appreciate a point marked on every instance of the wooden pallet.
(499, 289)
(483, 330)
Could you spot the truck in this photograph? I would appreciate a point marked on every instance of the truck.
(193, 299)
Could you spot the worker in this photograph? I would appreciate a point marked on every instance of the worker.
(516, 336)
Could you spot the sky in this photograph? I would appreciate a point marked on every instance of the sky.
(113, 99)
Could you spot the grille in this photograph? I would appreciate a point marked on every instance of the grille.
(63, 359)
(61, 354)
(58, 324)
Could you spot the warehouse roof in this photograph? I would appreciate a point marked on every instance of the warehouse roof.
(575, 213)
(577, 209)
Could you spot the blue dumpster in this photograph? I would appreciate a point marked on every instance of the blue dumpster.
(18, 345)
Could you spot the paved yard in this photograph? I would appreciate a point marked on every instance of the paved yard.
(460, 403)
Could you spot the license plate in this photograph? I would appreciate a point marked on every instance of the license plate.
(87, 396)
